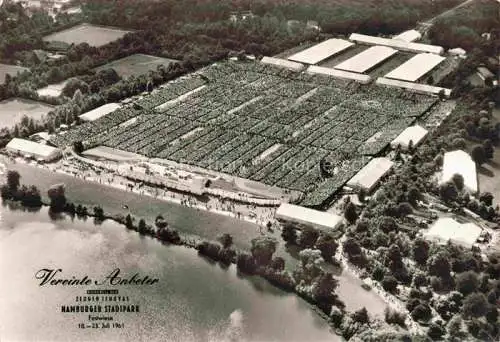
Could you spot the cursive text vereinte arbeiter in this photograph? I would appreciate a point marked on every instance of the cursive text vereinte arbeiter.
(53, 277)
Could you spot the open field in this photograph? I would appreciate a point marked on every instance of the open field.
(135, 65)
(86, 33)
(488, 173)
(52, 90)
(246, 109)
(12, 70)
(12, 111)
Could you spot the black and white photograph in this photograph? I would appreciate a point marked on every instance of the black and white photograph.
(249, 170)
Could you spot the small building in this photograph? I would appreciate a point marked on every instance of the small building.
(40, 136)
(369, 176)
(446, 230)
(99, 112)
(408, 36)
(415, 134)
(282, 63)
(309, 217)
(460, 162)
(457, 52)
(481, 77)
(33, 149)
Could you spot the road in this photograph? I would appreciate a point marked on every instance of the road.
(426, 25)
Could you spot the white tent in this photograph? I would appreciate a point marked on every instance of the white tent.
(369, 176)
(408, 36)
(32, 149)
(416, 67)
(364, 79)
(99, 112)
(367, 59)
(415, 134)
(447, 229)
(315, 218)
(321, 51)
(416, 87)
(396, 43)
(460, 162)
(282, 63)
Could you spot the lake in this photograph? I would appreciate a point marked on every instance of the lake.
(194, 299)
(187, 221)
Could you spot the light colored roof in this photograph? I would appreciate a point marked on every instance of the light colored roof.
(316, 218)
(282, 63)
(413, 133)
(367, 59)
(313, 69)
(457, 51)
(460, 162)
(408, 36)
(321, 51)
(396, 43)
(99, 112)
(447, 229)
(415, 67)
(31, 147)
(370, 175)
(11, 70)
(43, 135)
(417, 87)
(485, 72)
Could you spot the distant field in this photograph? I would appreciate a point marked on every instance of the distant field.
(52, 90)
(86, 33)
(136, 65)
(11, 70)
(488, 172)
(12, 110)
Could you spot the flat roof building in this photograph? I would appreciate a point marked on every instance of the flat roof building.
(397, 44)
(369, 176)
(321, 51)
(346, 75)
(415, 67)
(415, 134)
(309, 217)
(99, 112)
(282, 63)
(447, 229)
(33, 149)
(416, 87)
(460, 162)
(408, 36)
(367, 59)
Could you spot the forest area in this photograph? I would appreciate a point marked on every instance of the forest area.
(195, 32)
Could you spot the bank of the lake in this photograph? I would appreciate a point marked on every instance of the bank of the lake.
(188, 222)
(195, 300)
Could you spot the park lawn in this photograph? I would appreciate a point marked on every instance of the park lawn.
(12, 70)
(489, 172)
(136, 65)
(87, 33)
(13, 110)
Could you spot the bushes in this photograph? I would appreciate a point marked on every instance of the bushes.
(390, 284)
(394, 317)
(475, 305)
(421, 312)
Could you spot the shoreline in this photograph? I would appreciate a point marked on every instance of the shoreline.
(190, 243)
(169, 199)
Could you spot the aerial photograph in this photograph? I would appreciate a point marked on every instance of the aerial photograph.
(249, 170)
